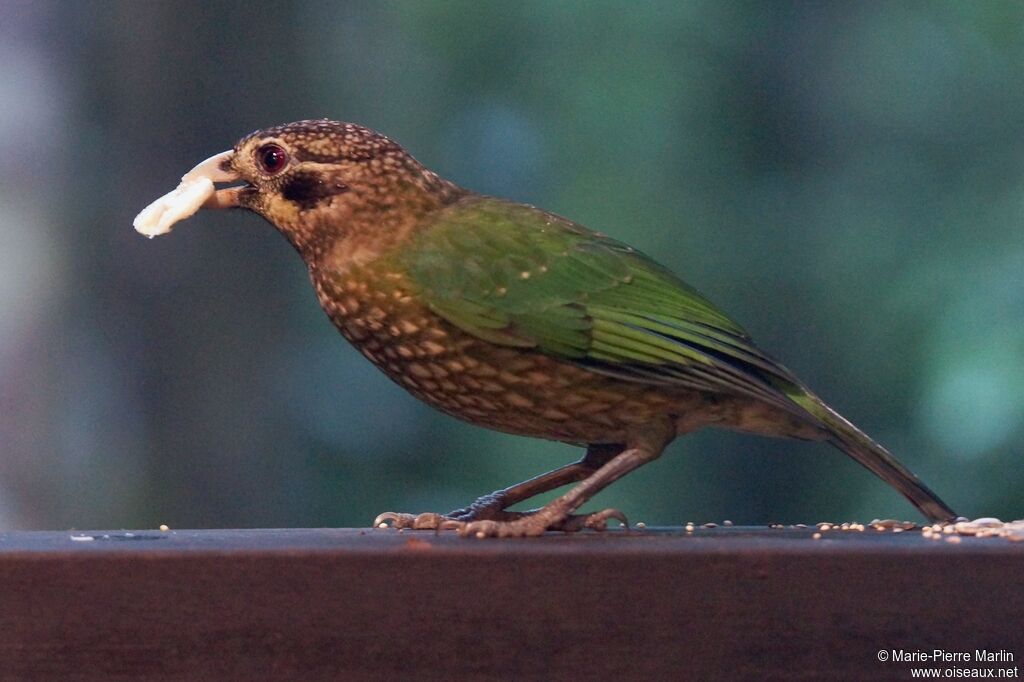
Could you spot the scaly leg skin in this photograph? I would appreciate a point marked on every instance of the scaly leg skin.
(492, 507)
(644, 446)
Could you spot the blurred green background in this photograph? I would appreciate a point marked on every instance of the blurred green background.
(846, 179)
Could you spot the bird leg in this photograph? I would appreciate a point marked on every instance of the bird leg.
(558, 514)
(492, 506)
(644, 446)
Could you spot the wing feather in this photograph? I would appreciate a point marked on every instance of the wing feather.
(514, 275)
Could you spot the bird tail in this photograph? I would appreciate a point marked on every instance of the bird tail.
(873, 457)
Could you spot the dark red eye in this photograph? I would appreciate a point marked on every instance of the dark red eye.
(272, 158)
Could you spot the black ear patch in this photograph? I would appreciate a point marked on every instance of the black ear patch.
(309, 189)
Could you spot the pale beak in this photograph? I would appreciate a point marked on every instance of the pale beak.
(195, 191)
(213, 169)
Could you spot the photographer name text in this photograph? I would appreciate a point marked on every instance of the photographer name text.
(944, 656)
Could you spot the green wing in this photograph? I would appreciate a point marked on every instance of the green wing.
(517, 276)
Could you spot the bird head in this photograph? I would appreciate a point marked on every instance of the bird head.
(319, 182)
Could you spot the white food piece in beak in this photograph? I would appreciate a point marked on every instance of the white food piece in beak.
(185, 199)
(180, 203)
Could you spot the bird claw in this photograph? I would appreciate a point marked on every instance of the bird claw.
(425, 521)
(511, 525)
(526, 526)
(596, 521)
(534, 524)
(453, 520)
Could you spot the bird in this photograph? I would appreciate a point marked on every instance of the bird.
(516, 319)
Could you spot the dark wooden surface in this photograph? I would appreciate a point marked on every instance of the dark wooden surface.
(349, 604)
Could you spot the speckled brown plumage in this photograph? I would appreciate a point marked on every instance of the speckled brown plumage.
(513, 390)
(509, 389)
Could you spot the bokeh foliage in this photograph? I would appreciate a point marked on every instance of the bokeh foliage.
(846, 179)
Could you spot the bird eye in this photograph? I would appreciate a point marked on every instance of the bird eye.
(272, 158)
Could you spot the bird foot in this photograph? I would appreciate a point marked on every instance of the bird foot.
(449, 521)
(595, 521)
(489, 507)
(504, 524)
(536, 523)
(425, 521)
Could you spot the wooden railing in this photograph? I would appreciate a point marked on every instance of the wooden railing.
(349, 604)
